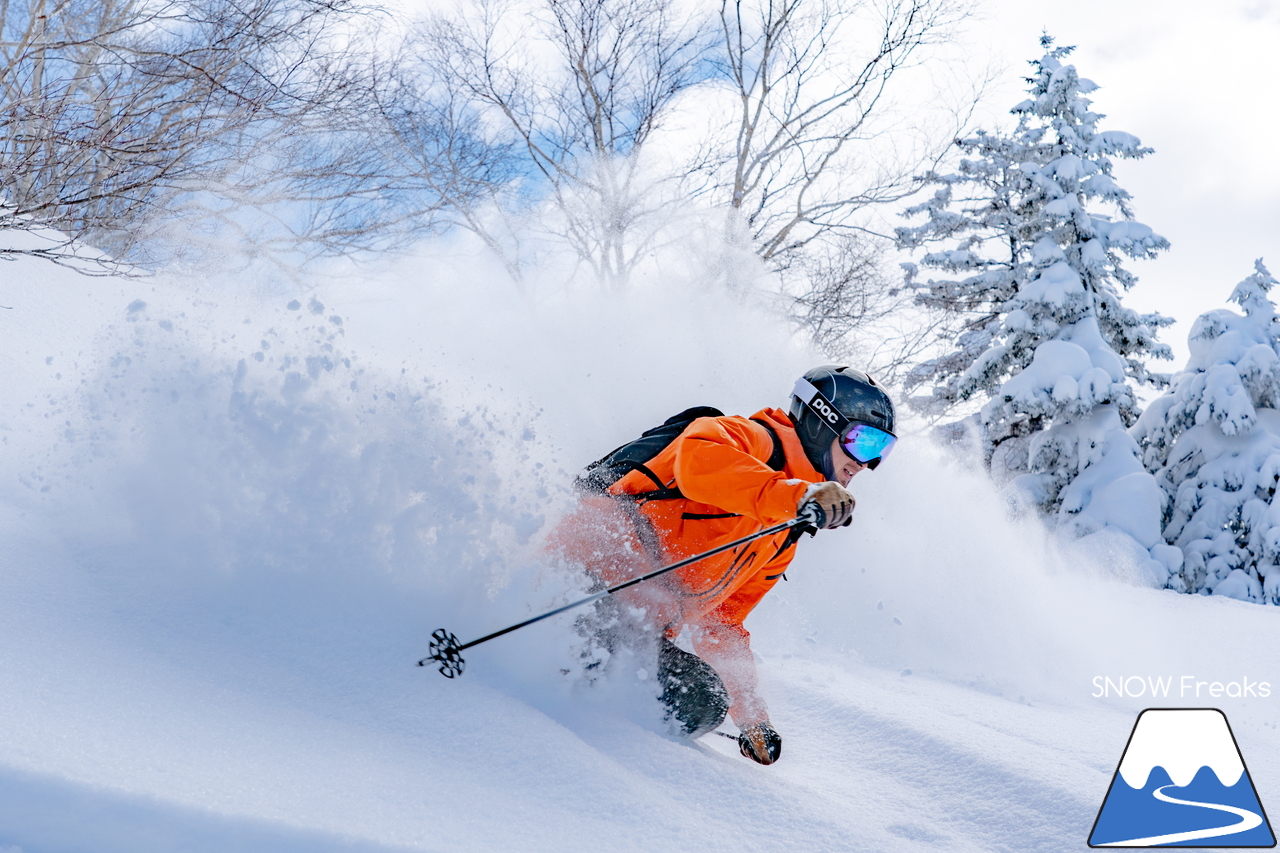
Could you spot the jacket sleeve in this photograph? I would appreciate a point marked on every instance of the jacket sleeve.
(720, 461)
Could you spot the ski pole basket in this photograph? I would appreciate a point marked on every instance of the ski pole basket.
(445, 651)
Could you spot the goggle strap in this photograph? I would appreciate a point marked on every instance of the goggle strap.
(809, 394)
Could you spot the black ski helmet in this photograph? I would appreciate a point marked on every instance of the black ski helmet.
(826, 400)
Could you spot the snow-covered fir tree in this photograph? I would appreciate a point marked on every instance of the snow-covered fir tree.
(1035, 230)
(1213, 442)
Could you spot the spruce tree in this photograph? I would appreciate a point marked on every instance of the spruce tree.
(1213, 442)
(1034, 231)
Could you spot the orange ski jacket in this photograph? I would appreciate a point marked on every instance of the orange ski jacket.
(720, 467)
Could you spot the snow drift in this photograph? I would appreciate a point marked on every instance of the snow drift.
(231, 522)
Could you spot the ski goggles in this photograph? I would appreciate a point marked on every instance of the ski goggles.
(867, 444)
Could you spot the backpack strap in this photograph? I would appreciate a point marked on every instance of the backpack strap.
(793, 536)
(644, 530)
(778, 462)
(662, 493)
(778, 458)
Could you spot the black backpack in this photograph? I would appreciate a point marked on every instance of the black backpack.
(597, 477)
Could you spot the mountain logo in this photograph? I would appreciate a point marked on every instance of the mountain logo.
(1181, 783)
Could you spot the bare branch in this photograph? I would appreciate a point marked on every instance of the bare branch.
(119, 118)
(797, 169)
(577, 119)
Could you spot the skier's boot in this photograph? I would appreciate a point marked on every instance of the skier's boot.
(692, 692)
(760, 743)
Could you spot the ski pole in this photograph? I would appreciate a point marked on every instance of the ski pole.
(446, 650)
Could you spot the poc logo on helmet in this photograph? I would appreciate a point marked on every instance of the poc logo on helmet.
(820, 406)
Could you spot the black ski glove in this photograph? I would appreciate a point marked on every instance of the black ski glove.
(760, 743)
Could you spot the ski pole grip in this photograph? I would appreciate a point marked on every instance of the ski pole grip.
(812, 515)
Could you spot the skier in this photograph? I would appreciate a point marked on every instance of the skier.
(721, 479)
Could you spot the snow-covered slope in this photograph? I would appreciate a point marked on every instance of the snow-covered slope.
(230, 525)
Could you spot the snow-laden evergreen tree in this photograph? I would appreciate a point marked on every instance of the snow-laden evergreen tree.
(1033, 251)
(1035, 230)
(1213, 442)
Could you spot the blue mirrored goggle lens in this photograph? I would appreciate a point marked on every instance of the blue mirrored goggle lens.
(868, 444)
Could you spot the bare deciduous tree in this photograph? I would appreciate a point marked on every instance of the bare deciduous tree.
(841, 294)
(817, 144)
(435, 139)
(579, 115)
(811, 84)
(567, 114)
(119, 116)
